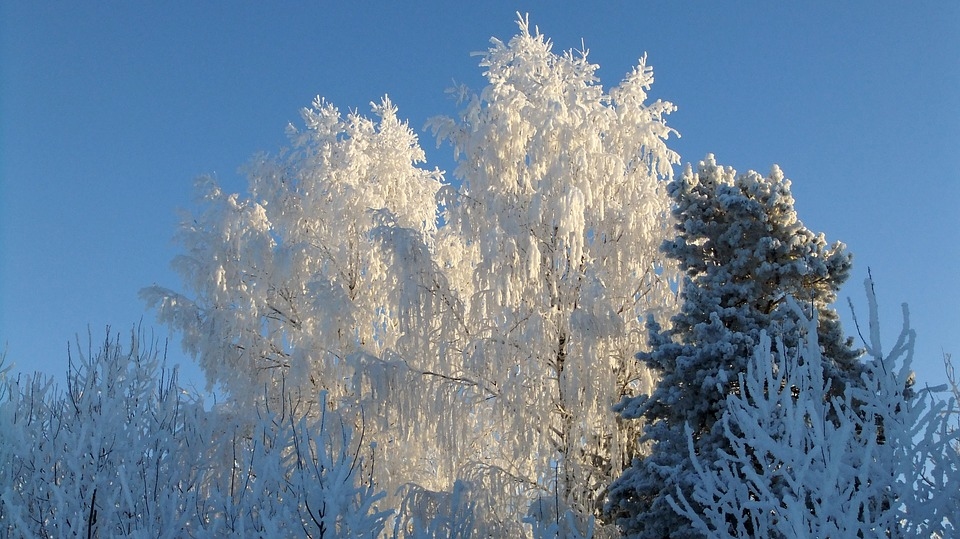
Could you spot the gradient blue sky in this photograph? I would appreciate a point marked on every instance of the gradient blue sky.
(109, 110)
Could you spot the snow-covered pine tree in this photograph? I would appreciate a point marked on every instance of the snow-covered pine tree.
(742, 251)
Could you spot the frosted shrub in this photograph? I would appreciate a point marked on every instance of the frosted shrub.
(875, 461)
(288, 475)
(104, 458)
(124, 452)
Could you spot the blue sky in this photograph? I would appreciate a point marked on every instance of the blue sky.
(109, 110)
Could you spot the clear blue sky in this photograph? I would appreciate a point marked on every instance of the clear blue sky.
(108, 110)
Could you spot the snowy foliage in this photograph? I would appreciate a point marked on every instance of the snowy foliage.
(412, 356)
(743, 251)
(483, 356)
(875, 461)
(124, 452)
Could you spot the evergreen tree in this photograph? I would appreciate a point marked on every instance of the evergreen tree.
(742, 251)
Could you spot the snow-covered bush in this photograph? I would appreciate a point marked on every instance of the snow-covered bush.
(287, 475)
(918, 456)
(875, 461)
(125, 452)
(104, 458)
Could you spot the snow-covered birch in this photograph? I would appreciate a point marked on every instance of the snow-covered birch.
(551, 243)
(482, 357)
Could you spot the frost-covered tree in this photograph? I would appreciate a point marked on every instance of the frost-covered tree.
(296, 289)
(552, 239)
(483, 356)
(807, 463)
(742, 251)
(125, 452)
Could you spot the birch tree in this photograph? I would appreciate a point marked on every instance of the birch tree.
(293, 292)
(482, 356)
(554, 231)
